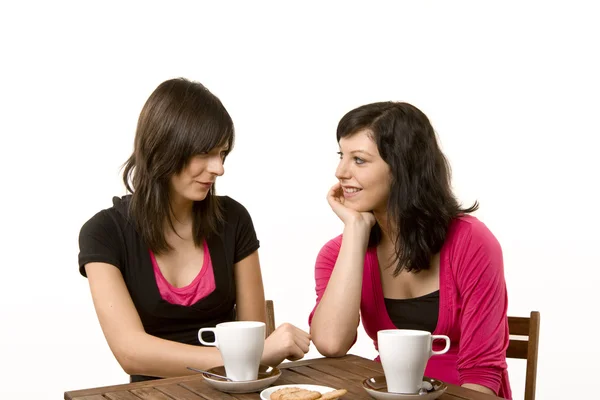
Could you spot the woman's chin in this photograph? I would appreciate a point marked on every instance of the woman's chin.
(358, 207)
(197, 196)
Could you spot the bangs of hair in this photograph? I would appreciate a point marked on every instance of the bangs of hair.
(182, 119)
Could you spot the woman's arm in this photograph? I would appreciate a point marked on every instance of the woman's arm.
(137, 352)
(286, 341)
(336, 317)
(250, 294)
(484, 301)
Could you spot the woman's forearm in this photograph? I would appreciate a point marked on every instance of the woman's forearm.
(153, 356)
(333, 327)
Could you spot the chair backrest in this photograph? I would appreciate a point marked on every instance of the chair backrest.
(523, 344)
(270, 313)
(270, 310)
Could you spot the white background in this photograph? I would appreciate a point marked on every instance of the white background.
(512, 89)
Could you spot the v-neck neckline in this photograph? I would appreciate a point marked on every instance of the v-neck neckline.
(223, 282)
(372, 265)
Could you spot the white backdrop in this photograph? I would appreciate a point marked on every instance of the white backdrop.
(511, 88)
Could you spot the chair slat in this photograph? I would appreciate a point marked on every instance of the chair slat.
(517, 349)
(270, 310)
(518, 326)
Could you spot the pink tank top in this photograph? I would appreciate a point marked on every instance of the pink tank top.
(199, 288)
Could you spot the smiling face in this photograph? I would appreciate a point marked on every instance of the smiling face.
(195, 180)
(364, 176)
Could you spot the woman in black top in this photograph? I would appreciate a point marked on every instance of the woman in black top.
(183, 137)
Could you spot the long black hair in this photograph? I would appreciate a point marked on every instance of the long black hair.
(421, 204)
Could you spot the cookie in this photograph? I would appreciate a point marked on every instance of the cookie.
(276, 395)
(334, 394)
(301, 394)
(294, 393)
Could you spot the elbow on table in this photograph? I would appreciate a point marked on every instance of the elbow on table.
(329, 347)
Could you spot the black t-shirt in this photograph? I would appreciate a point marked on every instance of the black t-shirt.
(110, 237)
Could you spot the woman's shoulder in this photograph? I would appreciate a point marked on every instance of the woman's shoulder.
(470, 239)
(230, 204)
(473, 253)
(469, 227)
(331, 248)
(110, 217)
(233, 210)
(335, 243)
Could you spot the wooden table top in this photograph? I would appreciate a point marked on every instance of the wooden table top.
(346, 372)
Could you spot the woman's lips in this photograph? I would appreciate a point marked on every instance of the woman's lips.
(350, 192)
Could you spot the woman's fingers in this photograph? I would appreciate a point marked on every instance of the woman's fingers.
(303, 343)
(301, 338)
(299, 344)
(333, 194)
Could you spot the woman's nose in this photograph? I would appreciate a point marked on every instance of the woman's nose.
(215, 166)
(342, 171)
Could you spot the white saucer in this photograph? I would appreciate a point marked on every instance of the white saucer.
(266, 376)
(266, 394)
(377, 388)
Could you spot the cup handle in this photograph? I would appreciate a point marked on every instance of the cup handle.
(445, 349)
(201, 331)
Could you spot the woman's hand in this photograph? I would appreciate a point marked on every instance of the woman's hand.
(335, 198)
(286, 342)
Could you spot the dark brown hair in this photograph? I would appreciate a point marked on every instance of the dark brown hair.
(421, 204)
(180, 119)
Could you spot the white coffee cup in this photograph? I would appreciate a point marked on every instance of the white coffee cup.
(241, 344)
(404, 354)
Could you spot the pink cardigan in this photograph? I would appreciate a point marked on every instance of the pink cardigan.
(473, 305)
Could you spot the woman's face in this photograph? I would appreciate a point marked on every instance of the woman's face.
(194, 181)
(364, 176)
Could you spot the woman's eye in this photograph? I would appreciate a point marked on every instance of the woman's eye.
(359, 160)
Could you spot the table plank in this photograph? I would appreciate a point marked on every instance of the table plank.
(351, 367)
(345, 374)
(150, 394)
(290, 377)
(177, 391)
(202, 389)
(71, 395)
(124, 395)
(368, 364)
(93, 397)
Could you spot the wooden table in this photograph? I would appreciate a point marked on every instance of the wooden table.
(346, 372)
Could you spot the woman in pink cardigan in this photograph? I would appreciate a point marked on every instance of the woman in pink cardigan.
(410, 257)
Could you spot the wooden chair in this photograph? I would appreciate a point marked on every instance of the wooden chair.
(270, 313)
(525, 347)
(269, 308)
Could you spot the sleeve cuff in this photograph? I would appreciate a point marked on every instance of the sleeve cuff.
(246, 252)
(488, 377)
